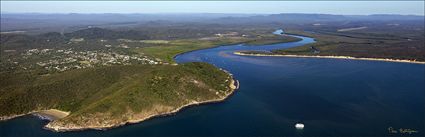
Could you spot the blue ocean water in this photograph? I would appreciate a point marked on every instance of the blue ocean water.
(331, 97)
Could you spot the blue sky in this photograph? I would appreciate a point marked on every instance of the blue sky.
(269, 7)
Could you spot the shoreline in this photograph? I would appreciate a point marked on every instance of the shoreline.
(5, 118)
(331, 57)
(54, 114)
(51, 114)
(232, 87)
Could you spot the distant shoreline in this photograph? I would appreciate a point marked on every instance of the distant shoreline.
(333, 57)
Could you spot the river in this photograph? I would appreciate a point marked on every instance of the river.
(331, 97)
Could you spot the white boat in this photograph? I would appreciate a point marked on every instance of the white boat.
(299, 126)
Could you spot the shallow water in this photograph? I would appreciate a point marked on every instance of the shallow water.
(330, 96)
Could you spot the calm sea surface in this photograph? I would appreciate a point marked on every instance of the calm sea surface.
(332, 97)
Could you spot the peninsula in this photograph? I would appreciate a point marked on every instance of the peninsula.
(372, 45)
(99, 79)
(107, 97)
(250, 53)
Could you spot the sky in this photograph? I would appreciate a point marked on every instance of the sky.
(259, 7)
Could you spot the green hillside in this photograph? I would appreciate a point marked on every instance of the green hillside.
(113, 94)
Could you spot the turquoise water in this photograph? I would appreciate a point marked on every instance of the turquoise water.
(332, 97)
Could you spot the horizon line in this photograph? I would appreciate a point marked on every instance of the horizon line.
(7, 12)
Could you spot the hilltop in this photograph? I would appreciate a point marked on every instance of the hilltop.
(106, 97)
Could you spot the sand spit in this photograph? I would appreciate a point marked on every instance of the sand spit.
(333, 57)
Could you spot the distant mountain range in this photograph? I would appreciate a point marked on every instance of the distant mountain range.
(36, 22)
(188, 17)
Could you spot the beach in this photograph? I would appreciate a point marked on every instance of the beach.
(332, 57)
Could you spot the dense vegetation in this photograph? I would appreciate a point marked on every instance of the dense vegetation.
(113, 91)
(116, 93)
(363, 44)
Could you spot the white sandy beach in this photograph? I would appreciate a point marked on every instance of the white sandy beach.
(333, 57)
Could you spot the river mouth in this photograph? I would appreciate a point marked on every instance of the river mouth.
(331, 97)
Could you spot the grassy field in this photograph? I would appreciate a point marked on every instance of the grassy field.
(114, 94)
(155, 41)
